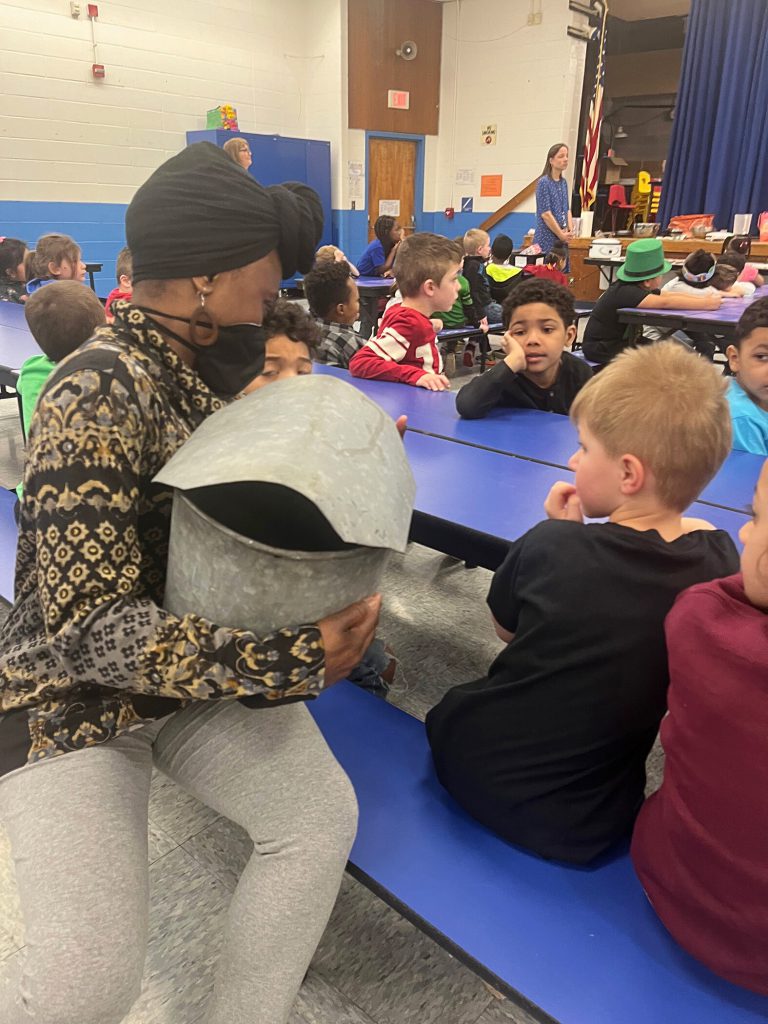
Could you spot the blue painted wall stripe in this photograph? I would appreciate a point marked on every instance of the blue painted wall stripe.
(99, 228)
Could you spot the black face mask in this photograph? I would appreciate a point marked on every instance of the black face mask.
(234, 359)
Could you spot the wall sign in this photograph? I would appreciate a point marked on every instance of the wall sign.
(490, 184)
(398, 100)
(466, 204)
(390, 207)
(355, 178)
(465, 176)
(488, 134)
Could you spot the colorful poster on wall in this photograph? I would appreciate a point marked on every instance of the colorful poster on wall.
(389, 207)
(488, 134)
(467, 204)
(490, 184)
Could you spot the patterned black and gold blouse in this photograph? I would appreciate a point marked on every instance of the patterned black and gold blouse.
(87, 651)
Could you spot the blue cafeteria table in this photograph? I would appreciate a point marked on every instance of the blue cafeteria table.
(529, 434)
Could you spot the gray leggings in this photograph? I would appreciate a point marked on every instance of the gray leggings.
(77, 825)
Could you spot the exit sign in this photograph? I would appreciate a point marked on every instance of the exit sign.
(398, 100)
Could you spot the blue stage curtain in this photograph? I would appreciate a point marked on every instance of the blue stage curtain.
(718, 158)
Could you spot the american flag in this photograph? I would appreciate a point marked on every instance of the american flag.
(589, 173)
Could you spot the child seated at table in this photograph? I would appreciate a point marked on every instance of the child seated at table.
(700, 845)
(290, 339)
(536, 372)
(700, 274)
(748, 388)
(124, 275)
(703, 274)
(54, 258)
(638, 285)
(502, 276)
(405, 349)
(549, 749)
(477, 249)
(333, 252)
(333, 298)
(741, 245)
(12, 279)
(461, 314)
(553, 267)
(378, 261)
(60, 318)
(379, 256)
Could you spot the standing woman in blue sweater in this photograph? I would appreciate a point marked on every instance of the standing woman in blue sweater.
(554, 222)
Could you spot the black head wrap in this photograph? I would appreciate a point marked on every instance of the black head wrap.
(199, 213)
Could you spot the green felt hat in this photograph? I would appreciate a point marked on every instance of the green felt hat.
(644, 260)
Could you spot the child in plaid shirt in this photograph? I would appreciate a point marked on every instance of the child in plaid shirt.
(333, 298)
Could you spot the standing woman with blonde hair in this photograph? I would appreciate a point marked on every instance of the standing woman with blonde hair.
(239, 152)
(554, 222)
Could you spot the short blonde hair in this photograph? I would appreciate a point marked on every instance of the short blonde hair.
(473, 239)
(423, 257)
(667, 407)
(326, 252)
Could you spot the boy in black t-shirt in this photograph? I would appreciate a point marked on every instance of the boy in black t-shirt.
(638, 284)
(536, 372)
(549, 750)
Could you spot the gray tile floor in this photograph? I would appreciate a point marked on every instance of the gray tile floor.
(372, 966)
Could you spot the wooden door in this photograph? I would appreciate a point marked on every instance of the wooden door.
(392, 176)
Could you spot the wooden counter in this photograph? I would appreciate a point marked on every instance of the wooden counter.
(586, 279)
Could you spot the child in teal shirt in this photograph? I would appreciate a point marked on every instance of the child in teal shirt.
(748, 390)
(60, 318)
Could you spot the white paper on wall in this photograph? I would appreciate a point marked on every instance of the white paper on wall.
(355, 176)
(389, 207)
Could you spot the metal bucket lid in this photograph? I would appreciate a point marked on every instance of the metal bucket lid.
(318, 436)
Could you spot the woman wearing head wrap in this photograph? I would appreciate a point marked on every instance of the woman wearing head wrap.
(99, 681)
(239, 151)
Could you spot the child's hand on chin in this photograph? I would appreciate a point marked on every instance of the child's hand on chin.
(434, 382)
(514, 355)
(563, 503)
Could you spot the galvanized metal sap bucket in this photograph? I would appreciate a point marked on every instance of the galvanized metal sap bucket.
(287, 505)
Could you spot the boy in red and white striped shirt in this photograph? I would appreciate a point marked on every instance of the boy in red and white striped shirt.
(405, 350)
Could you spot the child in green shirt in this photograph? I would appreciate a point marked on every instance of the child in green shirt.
(60, 318)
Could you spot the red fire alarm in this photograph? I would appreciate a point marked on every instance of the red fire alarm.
(98, 71)
(93, 10)
(449, 212)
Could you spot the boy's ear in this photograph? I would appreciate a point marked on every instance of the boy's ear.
(733, 358)
(570, 335)
(428, 287)
(633, 475)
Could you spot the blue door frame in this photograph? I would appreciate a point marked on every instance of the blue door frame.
(418, 185)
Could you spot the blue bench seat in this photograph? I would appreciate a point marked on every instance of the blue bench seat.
(578, 946)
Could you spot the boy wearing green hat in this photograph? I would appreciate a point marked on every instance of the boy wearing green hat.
(638, 285)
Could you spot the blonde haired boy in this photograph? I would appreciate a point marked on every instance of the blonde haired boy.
(477, 249)
(549, 750)
(405, 350)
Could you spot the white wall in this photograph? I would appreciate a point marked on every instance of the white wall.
(66, 137)
(283, 65)
(526, 79)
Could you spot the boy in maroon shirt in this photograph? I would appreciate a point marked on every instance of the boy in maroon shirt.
(700, 844)
(405, 350)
